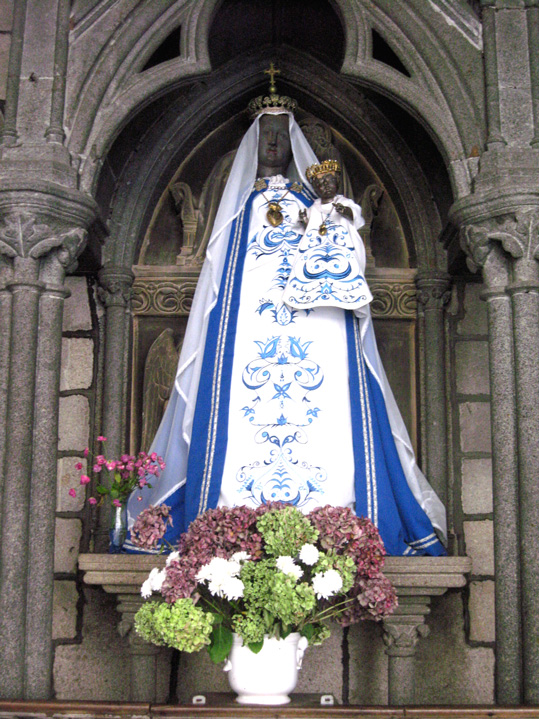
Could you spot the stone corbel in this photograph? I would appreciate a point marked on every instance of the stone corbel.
(115, 286)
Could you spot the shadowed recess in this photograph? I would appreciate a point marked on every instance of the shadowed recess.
(243, 25)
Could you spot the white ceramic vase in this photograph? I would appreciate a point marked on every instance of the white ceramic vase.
(269, 676)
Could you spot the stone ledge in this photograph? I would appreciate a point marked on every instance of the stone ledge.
(124, 573)
(416, 580)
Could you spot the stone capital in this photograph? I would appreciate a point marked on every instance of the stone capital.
(433, 290)
(515, 233)
(401, 635)
(30, 235)
(115, 288)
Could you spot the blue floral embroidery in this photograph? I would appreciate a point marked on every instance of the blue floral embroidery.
(327, 271)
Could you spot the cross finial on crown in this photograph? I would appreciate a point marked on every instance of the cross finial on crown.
(272, 71)
(272, 102)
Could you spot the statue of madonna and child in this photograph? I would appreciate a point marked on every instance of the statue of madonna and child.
(280, 394)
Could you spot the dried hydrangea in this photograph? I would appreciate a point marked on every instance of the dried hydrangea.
(150, 526)
(375, 599)
(222, 532)
(345, 533)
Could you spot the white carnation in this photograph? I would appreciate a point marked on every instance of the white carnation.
(146, 589)
(172, 557)
(288, 566)
(240, 556)
(156, 579)
(309, 554)
(233, 588)
(218, 573)
(326, 584)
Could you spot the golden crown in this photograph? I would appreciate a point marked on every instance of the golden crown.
(272, 102)
(322, 168)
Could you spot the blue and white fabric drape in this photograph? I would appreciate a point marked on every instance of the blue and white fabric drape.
(292, 404)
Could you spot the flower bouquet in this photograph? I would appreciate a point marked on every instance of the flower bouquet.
(126, 474)
(261, 573)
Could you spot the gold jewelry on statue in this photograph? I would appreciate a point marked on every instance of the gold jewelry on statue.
(272, 103)
(323, 229)
(322, 168)
(274, 214)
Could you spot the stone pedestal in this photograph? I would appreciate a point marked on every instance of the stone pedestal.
(416, 579)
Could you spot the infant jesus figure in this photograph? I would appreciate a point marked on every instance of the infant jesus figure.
(329, 266)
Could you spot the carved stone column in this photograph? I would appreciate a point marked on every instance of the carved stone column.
(44, 460)
(433, 294)
(486, 254)
(41, 243)
(402, 632)
(6, 268)
(115, 293)
(518, 233)
(532, 19)
(490, 59)
(520, 238)
(26, 289)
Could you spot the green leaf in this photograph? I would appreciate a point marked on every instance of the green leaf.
(285, 631)
(101, 489)
(217, 619)
(308, 631)
(255, 647)
(221, 643)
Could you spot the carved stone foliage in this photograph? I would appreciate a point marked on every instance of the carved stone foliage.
(174, 297)
(517, 232)
(163, 297)
(392, 299)
(433, 293)
(401, 638)
(25, 234)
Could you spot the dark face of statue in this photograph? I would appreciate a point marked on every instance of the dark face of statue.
(326, 186)
(274, 151)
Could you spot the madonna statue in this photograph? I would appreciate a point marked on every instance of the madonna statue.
(274, 402)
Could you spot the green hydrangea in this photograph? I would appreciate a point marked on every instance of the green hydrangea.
(344, 564)
(251, 627)
(181, 625)
(257, 580)
(291, 601)
(320, 634)
(285, 531)
(145, 623)
(274, 597)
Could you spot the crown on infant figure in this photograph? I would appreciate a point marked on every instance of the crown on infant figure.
(322, 168)
(272, 103)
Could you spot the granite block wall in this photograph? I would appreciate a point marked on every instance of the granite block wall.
(455, 664)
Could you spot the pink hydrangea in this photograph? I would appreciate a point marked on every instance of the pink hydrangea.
(150, 526)
(375, 599)
(221, 532)
(345, 533)
(180, 579)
